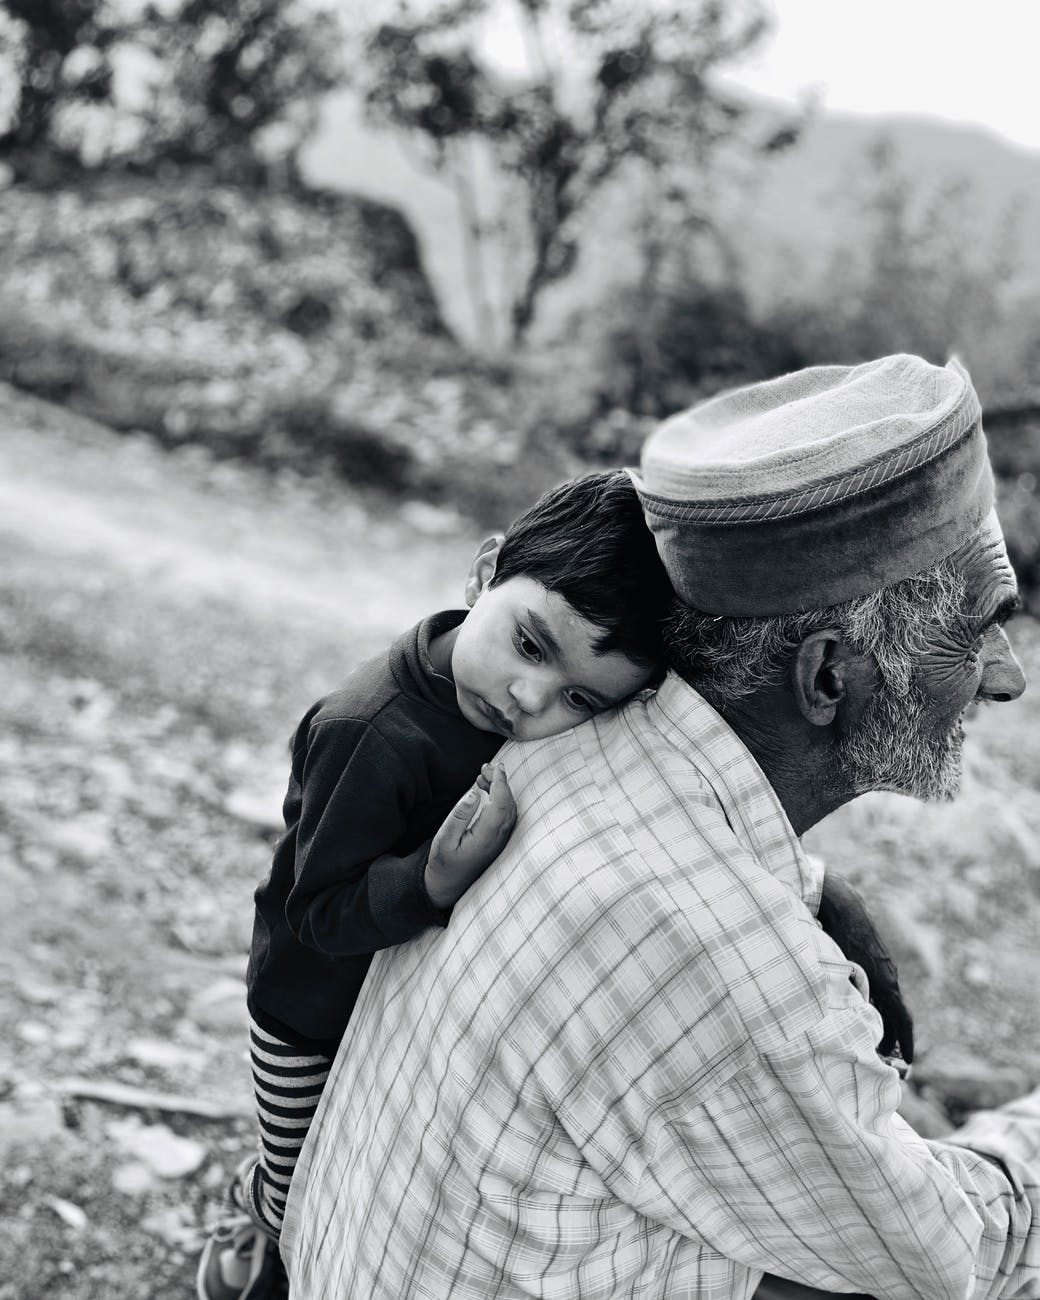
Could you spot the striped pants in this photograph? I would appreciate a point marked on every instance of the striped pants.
(288, 1086)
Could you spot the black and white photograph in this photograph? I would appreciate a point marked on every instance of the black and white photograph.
(519, 580)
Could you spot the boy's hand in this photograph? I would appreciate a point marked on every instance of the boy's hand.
(466, 845)
(844, 915)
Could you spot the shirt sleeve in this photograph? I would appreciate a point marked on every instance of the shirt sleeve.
(811, 1175)
(762, 1122)
(350, 895)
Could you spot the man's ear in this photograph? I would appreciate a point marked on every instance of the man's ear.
(828, 675)
(482, 570)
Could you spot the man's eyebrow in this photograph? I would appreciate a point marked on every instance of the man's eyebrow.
(1008, 606)
(544, 632)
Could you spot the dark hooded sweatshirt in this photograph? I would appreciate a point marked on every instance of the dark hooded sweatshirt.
(376, 768)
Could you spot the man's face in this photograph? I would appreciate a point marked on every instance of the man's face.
(912, 743)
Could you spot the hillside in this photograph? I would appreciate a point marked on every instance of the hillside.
(789, 219)
(193, 309)
(295, 329)
(801, 203)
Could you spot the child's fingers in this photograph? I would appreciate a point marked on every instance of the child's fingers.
(501, 803)
(460, 816)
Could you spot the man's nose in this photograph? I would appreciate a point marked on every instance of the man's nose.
(1002, 675)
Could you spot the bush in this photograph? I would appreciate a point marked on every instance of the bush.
(289, 331)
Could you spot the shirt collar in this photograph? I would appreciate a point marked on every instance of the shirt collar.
(751, 805)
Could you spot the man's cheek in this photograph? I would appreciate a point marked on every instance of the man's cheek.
(947, 672)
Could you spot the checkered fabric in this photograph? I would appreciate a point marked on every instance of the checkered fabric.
(634, 1066)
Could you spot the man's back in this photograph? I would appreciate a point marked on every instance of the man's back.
(507, 1084)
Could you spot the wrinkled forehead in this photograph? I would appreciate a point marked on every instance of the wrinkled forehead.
(983, 562)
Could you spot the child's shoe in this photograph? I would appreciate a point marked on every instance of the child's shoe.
(240, 1261)
(237, 1263)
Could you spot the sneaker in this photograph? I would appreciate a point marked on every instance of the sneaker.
(239, 1262)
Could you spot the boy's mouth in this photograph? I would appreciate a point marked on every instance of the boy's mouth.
(493, 715)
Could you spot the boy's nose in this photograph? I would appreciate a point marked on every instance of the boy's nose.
(529, 695)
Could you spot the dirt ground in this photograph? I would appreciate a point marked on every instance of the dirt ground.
(164, 621)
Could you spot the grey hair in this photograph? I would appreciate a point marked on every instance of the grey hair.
(728, 658)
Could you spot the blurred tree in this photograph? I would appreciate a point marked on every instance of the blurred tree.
(915, 266)
(916, 269)
(598, 87)
(57, 54)
(233, 86)
(239, 83)
(664, 351)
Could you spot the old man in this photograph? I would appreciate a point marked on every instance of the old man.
(634, 1065)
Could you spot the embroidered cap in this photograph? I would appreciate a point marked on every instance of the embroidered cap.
(817, 487)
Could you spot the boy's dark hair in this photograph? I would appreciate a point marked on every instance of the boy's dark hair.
(588, 542)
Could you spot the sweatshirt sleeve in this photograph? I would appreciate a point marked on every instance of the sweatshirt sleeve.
(350, 895)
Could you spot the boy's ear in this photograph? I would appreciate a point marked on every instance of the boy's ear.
(828, 676)
(482, 570)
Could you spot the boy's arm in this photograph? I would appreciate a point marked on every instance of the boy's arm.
(351, 896)
(844, 915)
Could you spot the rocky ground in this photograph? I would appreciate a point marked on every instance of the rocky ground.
(164, 620)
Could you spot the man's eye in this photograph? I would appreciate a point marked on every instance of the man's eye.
(981, 638)
(580, 702)
(527, 645)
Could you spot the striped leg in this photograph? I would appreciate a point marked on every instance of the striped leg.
(288, 1086)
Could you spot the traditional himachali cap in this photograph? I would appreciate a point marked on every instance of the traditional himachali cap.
(817, 487)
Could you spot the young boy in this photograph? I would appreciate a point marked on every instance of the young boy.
(387, 774)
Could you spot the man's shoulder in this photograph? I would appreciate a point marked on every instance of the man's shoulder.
(615, 796)
(621, 832)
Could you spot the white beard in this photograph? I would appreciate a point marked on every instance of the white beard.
(889, 750)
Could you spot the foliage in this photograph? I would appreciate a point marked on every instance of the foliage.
(291, 333)
(664, 351)
(922, 283)
(233, 87)
(240, 83)
(60, 55)
(906, 270)
(910, 271)
(607, 89)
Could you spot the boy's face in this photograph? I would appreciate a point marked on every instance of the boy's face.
(524, 666)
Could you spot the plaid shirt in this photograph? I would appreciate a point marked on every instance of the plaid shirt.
(635, 1066)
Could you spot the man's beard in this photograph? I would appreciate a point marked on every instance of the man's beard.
(890, 749)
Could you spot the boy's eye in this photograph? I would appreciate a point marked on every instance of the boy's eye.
(579, 702)
(527, 645)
